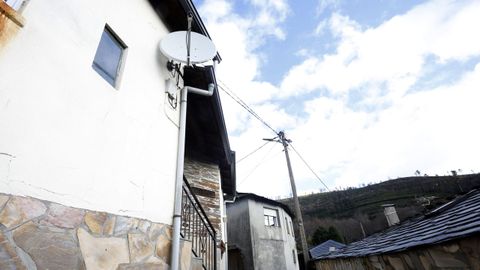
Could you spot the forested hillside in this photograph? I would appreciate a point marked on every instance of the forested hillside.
(348, 210)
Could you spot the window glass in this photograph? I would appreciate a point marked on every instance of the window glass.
(271, 217)
(108, 57)
(286, 225)
(15, 4)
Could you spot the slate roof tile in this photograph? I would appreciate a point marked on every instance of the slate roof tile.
(456, 219)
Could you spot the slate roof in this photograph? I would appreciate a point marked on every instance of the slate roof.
(324, 248)
(456, 219)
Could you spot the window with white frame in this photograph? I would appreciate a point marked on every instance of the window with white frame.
(291, 228)
(271, 217)
(15, 4)
(110, 56)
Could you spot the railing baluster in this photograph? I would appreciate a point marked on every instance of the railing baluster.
(208, 252)
(195, 239)
(197, 228)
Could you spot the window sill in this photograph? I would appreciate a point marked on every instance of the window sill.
(11, 13)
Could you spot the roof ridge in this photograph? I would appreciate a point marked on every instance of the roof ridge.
(449, 205)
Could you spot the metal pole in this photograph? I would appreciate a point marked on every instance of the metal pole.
(298, 213)
(177, 210)
(189, 34)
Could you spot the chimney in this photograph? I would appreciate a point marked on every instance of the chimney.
(390, 214)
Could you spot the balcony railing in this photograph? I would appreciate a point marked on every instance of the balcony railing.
(197, 228)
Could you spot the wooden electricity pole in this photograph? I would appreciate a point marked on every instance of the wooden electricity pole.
(298, 212)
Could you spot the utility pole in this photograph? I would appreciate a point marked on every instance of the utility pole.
(298, 213)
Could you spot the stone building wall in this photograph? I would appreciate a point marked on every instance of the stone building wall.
(458, 254)
(204, 178)
(36, 234)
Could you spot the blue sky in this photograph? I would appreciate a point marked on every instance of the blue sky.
(367, 90)
(301, 22)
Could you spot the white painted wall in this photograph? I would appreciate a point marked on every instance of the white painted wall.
(262, 233)
(68, 136)
(289, 240)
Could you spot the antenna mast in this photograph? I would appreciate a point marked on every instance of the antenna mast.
(189, 35)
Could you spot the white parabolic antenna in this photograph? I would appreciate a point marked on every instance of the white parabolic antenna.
(174, 47)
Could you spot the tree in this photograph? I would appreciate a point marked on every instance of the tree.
(321, 235)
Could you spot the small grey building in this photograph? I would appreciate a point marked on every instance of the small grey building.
(260, 234)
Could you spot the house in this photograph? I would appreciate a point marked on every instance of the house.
(325, 248)
(445, 238)
(260, 234)
(89, 140)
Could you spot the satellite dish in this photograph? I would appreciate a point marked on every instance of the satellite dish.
(174, 47)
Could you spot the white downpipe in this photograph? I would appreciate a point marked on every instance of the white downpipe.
(177, 210)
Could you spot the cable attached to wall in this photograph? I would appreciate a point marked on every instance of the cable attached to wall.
(172, 98)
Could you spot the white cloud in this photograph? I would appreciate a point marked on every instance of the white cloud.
(325, 4)
(267, 18)
(302, 52)
(320, 27)
(237, 39)
(213, 10)
(392, 53)
(432, 130)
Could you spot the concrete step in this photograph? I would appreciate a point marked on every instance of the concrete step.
(196, 263)
(186, 254)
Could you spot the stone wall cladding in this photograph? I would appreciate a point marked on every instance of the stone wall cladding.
(206, 176)
(36, 234)
(457, 254)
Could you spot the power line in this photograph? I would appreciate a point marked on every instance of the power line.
(251, 153)
(308, 166)
(244, 105)
(284, 141)
(264, 159)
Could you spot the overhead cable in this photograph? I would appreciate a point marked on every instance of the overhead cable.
(244, 105)
(251, 153)
(308, 166)
(264, 159)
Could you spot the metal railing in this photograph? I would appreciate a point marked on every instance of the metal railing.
(197, 228)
